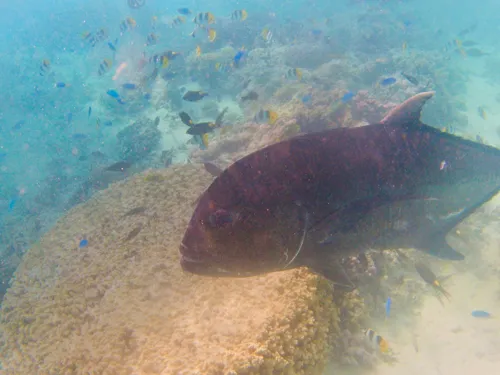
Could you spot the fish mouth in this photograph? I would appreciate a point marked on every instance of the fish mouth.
(199, 263)
(205, 265)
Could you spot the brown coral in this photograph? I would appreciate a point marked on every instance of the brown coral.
(123, 306)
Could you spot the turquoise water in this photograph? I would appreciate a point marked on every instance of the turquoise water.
(72, 106)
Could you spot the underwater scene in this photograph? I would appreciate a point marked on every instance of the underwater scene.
(249, 187)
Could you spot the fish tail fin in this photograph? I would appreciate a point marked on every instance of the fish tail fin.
(439, 288)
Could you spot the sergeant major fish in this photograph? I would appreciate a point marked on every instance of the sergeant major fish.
(204, 18)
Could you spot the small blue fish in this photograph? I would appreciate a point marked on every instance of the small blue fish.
(481, 314)
(239, 55)
(108, 123)
(113, 94)
(18, 125)
(306, 99)
(388, 81)
(90, 111)
(2, 155)
(69, 117)
(316, 32)
(79, 136)
(61, 85)
(348, 96)
(83, 243)
(147, 96)
(112, 46)
(129, 86)
(388, 304)
(12, 204)
(184, 11)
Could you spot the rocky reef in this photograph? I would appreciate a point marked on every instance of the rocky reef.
(122, 305)
(138, 140)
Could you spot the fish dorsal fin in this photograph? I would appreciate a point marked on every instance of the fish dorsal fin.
(408, 112)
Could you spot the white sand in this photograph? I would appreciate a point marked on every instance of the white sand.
(482, 92)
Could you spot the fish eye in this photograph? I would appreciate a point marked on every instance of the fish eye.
(221, 219)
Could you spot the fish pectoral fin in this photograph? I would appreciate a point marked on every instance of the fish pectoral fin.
(438, 247)
(333, 271)
(303, 237)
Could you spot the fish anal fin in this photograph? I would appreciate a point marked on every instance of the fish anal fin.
(438, 247)
(408, 112)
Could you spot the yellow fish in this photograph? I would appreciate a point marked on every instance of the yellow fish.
(104, 66)
(160, 60)
(405, 46)
(223, 67)
(206, 17)
(44, 67)
(377, 341)
(240, 15)
(212, 34)
(127, 24)
(294, 73)
(151, 39)
(198, 51)
(266, 116)
(164, 62)
(266, 34)
(482, 113)
(178, 21)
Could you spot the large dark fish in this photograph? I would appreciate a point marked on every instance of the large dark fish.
(119, 166)
(317, 199)
(201, 128)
